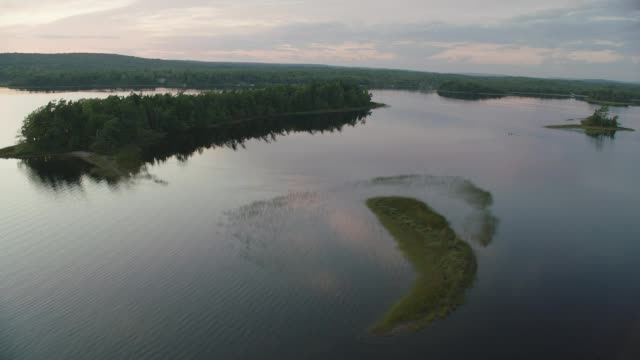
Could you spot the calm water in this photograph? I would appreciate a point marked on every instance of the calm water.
(264, 249)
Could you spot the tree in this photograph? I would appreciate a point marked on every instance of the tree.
(601, 118)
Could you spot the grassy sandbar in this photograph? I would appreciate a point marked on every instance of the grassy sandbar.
(444, 264)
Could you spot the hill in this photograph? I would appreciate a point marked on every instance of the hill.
(89, 71)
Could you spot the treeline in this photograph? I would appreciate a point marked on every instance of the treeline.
(469, 90)
(234, 135)
(91, 71)
(109, 125)
(467, 86)
(596, 91)
(601, 118)
(61, 172)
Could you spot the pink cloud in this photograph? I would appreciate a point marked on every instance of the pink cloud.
(348, 51)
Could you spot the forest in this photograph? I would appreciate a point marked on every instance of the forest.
(107, 126)
(92, 71)
(58, 172)
(614, 93)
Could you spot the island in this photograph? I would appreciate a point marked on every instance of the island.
(61, 171)
(110, 132)
(445, 265)
(598, 123)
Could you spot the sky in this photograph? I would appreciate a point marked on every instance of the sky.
(594, 39)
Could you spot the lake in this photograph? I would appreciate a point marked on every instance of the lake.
(260, 245)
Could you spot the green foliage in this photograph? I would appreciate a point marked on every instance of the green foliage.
(616, 93)
(445, 265)
(131, 161)
(90, 71)
(107, 125)
(600, 123)
(467, 86)
(601, 118)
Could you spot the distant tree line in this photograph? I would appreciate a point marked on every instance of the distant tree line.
(111, 124)
(585, 90)
(468, 86)
(89, 71)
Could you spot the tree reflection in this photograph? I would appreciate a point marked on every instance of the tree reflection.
(62, 172)
(600, 137)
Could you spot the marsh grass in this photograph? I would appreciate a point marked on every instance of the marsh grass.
(444, 264)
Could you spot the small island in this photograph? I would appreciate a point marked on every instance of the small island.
(598, 123)
(445, 265)
(110, 132)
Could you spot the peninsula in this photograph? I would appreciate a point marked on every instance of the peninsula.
(128, 125)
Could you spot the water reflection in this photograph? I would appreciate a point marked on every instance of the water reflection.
(64, 172)
(599, 138)
(480, 226)
(290, 234)
(461, 95)
(56, 173)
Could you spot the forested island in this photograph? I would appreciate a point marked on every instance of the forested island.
(598, 123)
(60, 171)
(95, 71)
(131, 124)
(445, 265)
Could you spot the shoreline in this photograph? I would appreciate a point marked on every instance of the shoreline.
(589, 128)
(14, 151)
(470, 95)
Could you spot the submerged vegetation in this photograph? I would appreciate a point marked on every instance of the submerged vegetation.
(481, 226)
(598, 123)
(131, 124)
(445, 265)
(92, 71)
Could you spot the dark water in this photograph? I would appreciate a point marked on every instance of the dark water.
(261, 247)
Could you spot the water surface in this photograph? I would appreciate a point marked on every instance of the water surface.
(263, 247)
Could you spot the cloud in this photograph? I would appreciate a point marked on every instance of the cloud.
(614, 18)
(95, 37)
(510, 54)
(348, 51)
(26, 12)
(492, 54)
(601, 56)
(568, 38)
(608, 43)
